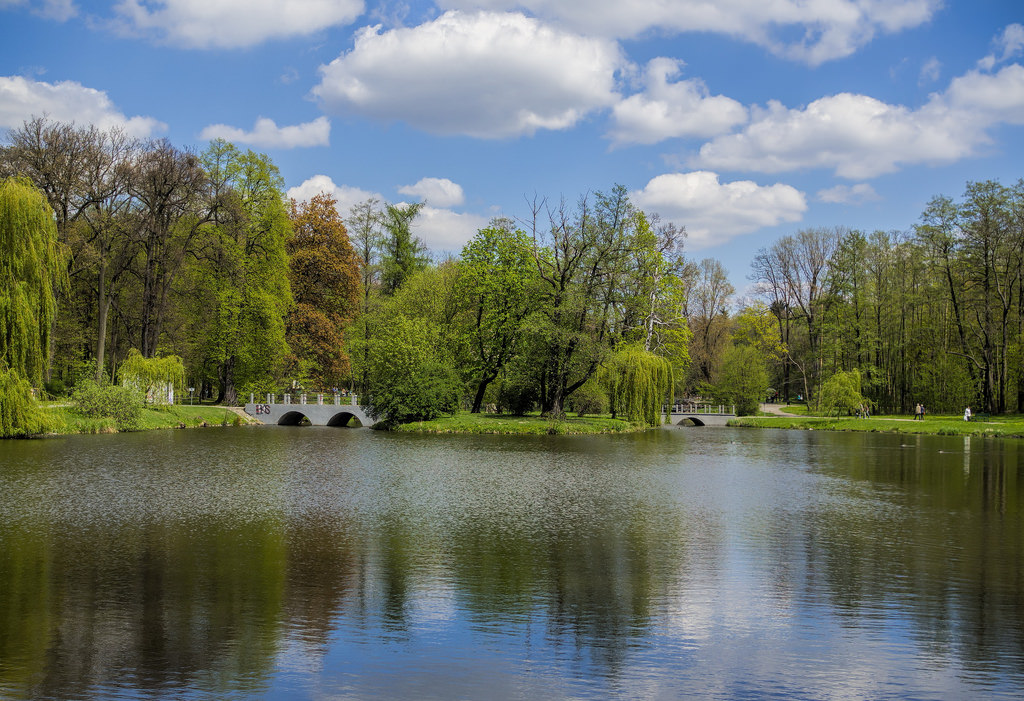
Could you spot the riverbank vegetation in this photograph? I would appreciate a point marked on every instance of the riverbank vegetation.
(65, 419)
(1003, 427)
(198, 263)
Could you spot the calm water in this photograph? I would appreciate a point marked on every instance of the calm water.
(345, 563)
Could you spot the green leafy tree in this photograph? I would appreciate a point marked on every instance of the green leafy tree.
(155, 378)
(244, 291)
(639, 384)
(404, 254)
(742, 379)
(32, 271)
(497, 290)
(842, 393)
(410, 383)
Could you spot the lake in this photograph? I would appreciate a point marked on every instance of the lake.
(276, 562)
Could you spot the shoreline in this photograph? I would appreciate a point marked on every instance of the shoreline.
(937, 426)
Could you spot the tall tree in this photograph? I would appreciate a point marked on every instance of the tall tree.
(247, 266)
(324, 276)
(32, 272)
(404, 254)
(581, 258)
(365, 227)
(497, 288)
(172, 191)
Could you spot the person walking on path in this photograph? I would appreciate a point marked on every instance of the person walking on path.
(967, 414)
(917, 412)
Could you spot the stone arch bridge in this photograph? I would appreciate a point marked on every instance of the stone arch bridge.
(324, 410)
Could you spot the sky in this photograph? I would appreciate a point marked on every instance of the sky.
(740, 120)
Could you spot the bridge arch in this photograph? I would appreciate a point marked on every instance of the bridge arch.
(690, 420)
(292, 418)
(343, 419)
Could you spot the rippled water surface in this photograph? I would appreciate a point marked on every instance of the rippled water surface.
(272, 562)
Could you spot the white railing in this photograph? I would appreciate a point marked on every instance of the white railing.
(302, 398)
(699, 409)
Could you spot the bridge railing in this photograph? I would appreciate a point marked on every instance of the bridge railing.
(698, 409)
(304, 398)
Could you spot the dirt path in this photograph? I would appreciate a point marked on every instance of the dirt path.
(775, 409)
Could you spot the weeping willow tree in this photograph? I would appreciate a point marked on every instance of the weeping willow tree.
(156, 377)
(32, 272)
(638, 384)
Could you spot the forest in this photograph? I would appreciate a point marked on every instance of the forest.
(589, 305)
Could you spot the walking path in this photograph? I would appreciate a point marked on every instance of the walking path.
(776, 410)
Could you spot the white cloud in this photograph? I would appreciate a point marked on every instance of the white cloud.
(930, 71)
(346, 195)
(445, 230)
(481, 74)
(60, 10)
(1008, 44)
(438, 192)
(667, 110)
(861, 137)
(232, 24)
(715, 212)
(266, 134)
(22, 99)
(848, 194)
(829, 28)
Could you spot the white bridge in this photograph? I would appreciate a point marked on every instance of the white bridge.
(324, 410)
(699, 414)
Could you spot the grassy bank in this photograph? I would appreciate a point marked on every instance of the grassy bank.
(1005, 427)
(527, 425)
(69, 421)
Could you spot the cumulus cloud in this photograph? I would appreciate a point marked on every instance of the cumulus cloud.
(828, 30)
(667, 110)
(22, 99)
(205, 24)
(444, 230)
(848, 194)
(345, 195)
(714, 212)
(861, 137)
(480, 74)
(438, 192)
(266, 134)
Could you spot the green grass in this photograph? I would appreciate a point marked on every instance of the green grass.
(1001, 426)
(528, 425)
(180, 416)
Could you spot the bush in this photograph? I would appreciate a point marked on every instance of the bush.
(517, 395)
(588, 399)
(122, 404)
(20, 414)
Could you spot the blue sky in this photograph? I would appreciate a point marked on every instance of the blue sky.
(742, 120)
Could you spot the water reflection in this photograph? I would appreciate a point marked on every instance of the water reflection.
(308, 562)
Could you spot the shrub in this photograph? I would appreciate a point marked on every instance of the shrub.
(122, 404)
(20, 415)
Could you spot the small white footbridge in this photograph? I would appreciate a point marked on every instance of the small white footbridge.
(297, 410)
(340, 410)
(699, 415)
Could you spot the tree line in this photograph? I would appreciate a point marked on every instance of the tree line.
(587, 305)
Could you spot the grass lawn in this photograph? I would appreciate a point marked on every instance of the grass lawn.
(530, 424)
(179, 416)
(1001, 426)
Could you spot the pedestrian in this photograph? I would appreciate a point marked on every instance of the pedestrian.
(967, 414)
(917, 412)
(922, 412)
